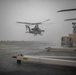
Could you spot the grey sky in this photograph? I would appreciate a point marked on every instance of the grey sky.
(12, 11)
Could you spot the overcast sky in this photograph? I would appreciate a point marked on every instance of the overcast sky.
(12, 11)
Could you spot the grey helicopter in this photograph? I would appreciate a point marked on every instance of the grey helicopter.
(71, 19)
(36, 30)
(68, 10)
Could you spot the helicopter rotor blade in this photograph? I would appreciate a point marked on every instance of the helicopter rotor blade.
(45, 21)
(24, 22)
(70, 19)
(74, 9)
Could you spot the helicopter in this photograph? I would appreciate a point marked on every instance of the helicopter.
(36, 30)
(66, 10)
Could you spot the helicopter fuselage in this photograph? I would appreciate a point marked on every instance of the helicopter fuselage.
(35, 31)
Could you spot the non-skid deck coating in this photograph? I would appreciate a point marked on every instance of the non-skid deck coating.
(8, 66)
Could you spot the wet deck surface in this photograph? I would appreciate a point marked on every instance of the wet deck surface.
(8, 66)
